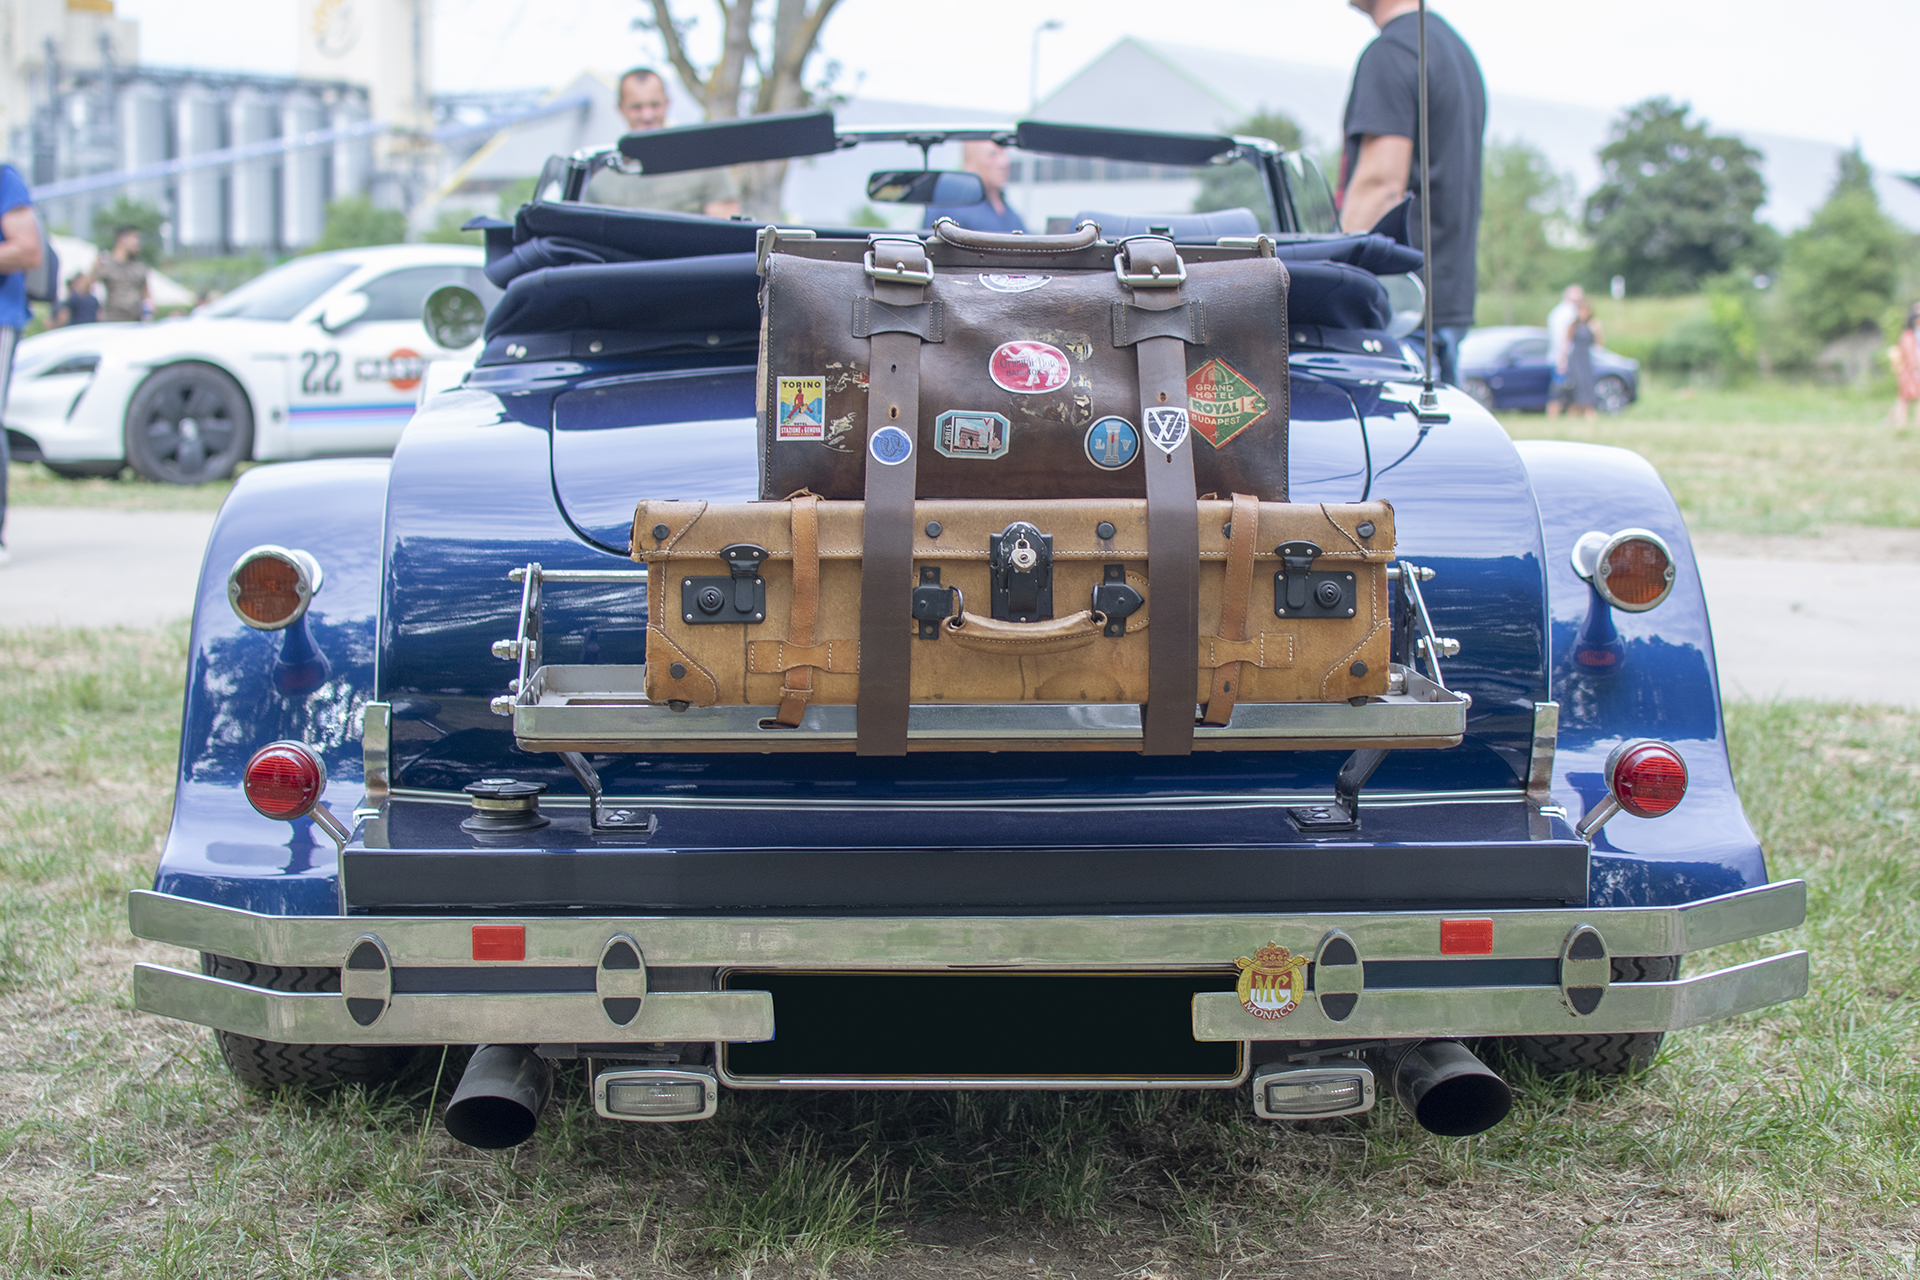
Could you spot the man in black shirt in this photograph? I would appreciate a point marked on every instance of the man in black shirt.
(1381, 164)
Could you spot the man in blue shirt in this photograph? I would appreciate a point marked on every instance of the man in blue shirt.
(989, 160)
(19, 253)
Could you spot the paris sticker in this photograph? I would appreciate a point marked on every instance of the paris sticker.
(1223, 402)
(1112, 443)
(970, 433)
(1029, 368)
(1270, 982)
(1167, 428)
(800, 410)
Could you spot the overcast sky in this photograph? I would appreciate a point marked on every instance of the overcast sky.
(1835, 72)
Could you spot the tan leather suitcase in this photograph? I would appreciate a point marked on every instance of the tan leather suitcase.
(1293, 602)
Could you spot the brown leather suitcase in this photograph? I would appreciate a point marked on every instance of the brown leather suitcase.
(1027, 369)
(759, 604)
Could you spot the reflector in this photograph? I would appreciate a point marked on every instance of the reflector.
(1315, 1097)
(1637, 572)
(644, 1098)
(270, 587)
(284, 780)
(1647, 778)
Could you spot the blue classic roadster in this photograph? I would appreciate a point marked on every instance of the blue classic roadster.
(424, 799)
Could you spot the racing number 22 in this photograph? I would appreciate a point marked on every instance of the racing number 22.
(320, 373)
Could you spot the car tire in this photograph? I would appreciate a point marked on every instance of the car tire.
(1480, 391)
(85, 470)
(189, 423)
(267, 1065)
(1615, 1055)
(1610, 394)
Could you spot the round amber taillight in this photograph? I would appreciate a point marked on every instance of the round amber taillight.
(284, 780)
(1634, 570)
(1648, 778)
(270, 587)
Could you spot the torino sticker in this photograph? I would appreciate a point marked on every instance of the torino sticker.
(800, 409)
(1270, 982)
(1029, 368)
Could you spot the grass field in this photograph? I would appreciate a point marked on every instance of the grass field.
(1779, 1145)
(1774, 458)
(32, 485)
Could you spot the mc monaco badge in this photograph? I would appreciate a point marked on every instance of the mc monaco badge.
(1029, 368)
(1167, 427)
(1270, 982)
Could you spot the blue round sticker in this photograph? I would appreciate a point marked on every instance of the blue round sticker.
(1112, 443)
(890, 446)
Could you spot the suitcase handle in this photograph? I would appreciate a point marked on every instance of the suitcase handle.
(1055, 635)
(1085, 236)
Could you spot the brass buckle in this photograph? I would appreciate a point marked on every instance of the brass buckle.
(1151, 278)
(896, 274)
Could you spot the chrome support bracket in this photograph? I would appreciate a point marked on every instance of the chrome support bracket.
(604, 820)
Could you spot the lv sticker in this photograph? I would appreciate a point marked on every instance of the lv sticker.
(1029, 368)
(971, 433)
(1224, 404)
(1167, 428)
(800, 409)
(1270, 982)
(1112, 443)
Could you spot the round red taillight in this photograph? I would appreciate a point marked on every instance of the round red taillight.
(1648, 778)
(284, 780)
(270, 587)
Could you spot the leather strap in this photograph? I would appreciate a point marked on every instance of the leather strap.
(1133, 323)
(926, 321)
(886, 536)
(798, 686)
(1236, 600)
(837, 657)
(1173, 515)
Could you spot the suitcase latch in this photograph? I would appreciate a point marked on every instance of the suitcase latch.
(739, 597)
(1300, 591)
(1020, 567)
(1116, 600)
(933, 603)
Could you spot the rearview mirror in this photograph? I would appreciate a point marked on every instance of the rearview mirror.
(343, 311)
(454, 316)
(926, 186)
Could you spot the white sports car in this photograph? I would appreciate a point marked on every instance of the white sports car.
(321, 355)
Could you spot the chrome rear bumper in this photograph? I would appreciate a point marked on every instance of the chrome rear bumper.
(415, 980)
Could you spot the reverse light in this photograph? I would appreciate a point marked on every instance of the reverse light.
(284, 781)
(270, 587)
(656, 1094)
(1645, 777)
(1632, 569)
(1332, 1087)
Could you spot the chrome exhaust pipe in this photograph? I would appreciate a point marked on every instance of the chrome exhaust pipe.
(1448, 1090)
(500, 1097)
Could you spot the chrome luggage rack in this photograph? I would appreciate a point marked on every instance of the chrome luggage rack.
(604, 708)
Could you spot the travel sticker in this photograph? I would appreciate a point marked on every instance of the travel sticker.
(1112, 443)
(1167, 428)
(1223, 403)
(970, 433)
(1029, 368)
(890, 446)
(1270, 982)
(800, 410)
(1013, 284)
(403, 368)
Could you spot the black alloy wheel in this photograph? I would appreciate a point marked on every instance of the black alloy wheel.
(1610, 394)
(189, 423)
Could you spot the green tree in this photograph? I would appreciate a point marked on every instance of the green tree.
(1841, 272)
(1677, 203)
(1520, 194)
(123, 212)
(1238, 185)
(357, 221)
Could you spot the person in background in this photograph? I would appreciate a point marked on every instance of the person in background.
(1379, 164)
(19, 253)
(989, 160)
(124, 273)
(1583, 335)
(1559, 323)
(1905, 355)
(642, 99)
(79, 306)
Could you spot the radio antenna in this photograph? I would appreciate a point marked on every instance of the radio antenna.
(1428, 410)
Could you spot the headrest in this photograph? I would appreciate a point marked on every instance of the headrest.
(682, 304)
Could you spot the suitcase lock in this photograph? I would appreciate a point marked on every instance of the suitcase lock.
(1300, 591)
(739, 597)
(1020, 569)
